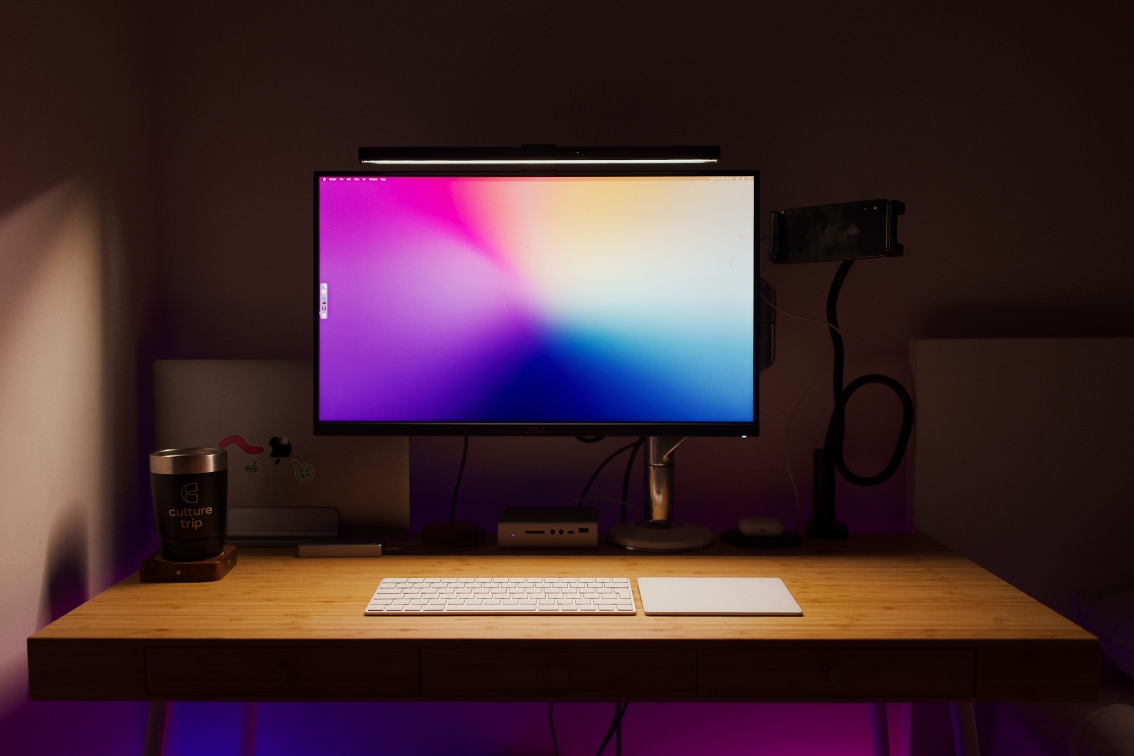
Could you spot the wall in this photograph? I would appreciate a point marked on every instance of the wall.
(74, 275)
(1003, 133)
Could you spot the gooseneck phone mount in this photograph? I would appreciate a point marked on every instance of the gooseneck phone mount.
(844, 232)
(830, 457)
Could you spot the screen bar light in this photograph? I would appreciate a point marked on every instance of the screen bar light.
(537, 155)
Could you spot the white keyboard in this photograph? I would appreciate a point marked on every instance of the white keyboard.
(502, 596)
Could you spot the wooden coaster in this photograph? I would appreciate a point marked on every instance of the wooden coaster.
(157, 570)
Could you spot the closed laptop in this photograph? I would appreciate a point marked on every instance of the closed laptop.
(260, 412)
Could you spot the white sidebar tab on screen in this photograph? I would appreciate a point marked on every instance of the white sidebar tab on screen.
(322, 301)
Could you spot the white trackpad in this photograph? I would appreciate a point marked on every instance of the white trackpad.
(717, 596)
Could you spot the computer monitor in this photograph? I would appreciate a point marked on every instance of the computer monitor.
(580, 303)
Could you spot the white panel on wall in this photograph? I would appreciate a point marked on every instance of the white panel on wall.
(1024, 459)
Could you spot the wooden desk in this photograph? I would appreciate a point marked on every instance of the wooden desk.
(897, 618)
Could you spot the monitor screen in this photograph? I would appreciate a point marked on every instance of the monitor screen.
(528, 304)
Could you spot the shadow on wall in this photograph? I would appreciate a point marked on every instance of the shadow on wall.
(65, 574)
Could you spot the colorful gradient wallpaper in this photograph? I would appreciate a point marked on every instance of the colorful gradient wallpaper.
(537, 299)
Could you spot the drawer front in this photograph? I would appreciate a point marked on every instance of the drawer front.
(594, 674)
(1062, 672)
(848, 674)
(87, 670)
(281, 672)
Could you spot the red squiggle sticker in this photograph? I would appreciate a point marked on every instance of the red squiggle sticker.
(245, 447)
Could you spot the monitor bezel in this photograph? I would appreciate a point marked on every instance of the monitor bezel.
(424, 428)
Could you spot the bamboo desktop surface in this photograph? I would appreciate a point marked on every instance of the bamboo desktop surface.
(884, 618)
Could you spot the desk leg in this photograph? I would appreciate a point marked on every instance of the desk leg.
(157, 721)
(881, 729)
(964, 729)
(248, 729)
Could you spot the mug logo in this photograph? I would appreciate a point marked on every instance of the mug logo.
(189, 493)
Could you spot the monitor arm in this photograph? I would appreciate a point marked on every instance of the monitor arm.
(659, 476)
(659, 531)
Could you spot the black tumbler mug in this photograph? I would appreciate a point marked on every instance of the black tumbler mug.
(190, 490)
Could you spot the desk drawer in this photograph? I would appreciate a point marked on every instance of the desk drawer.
(236, 672)
(541, 674)
(904, 674)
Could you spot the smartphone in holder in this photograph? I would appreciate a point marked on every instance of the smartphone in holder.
(846, 231)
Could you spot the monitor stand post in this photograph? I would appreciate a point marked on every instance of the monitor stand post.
(659, 532)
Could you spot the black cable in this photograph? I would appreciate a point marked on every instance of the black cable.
(626, 477)
(618, 735)
(836, 336)
(605, 462)
(551, 722)
(836, 429)
(456, 488)
(589, 439)
(614, 725)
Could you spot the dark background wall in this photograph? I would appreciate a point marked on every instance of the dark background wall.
(1004, 130)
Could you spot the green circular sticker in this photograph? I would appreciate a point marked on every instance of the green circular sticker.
(304, 473)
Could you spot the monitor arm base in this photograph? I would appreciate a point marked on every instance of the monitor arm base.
(660, 535)
(659, 531)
